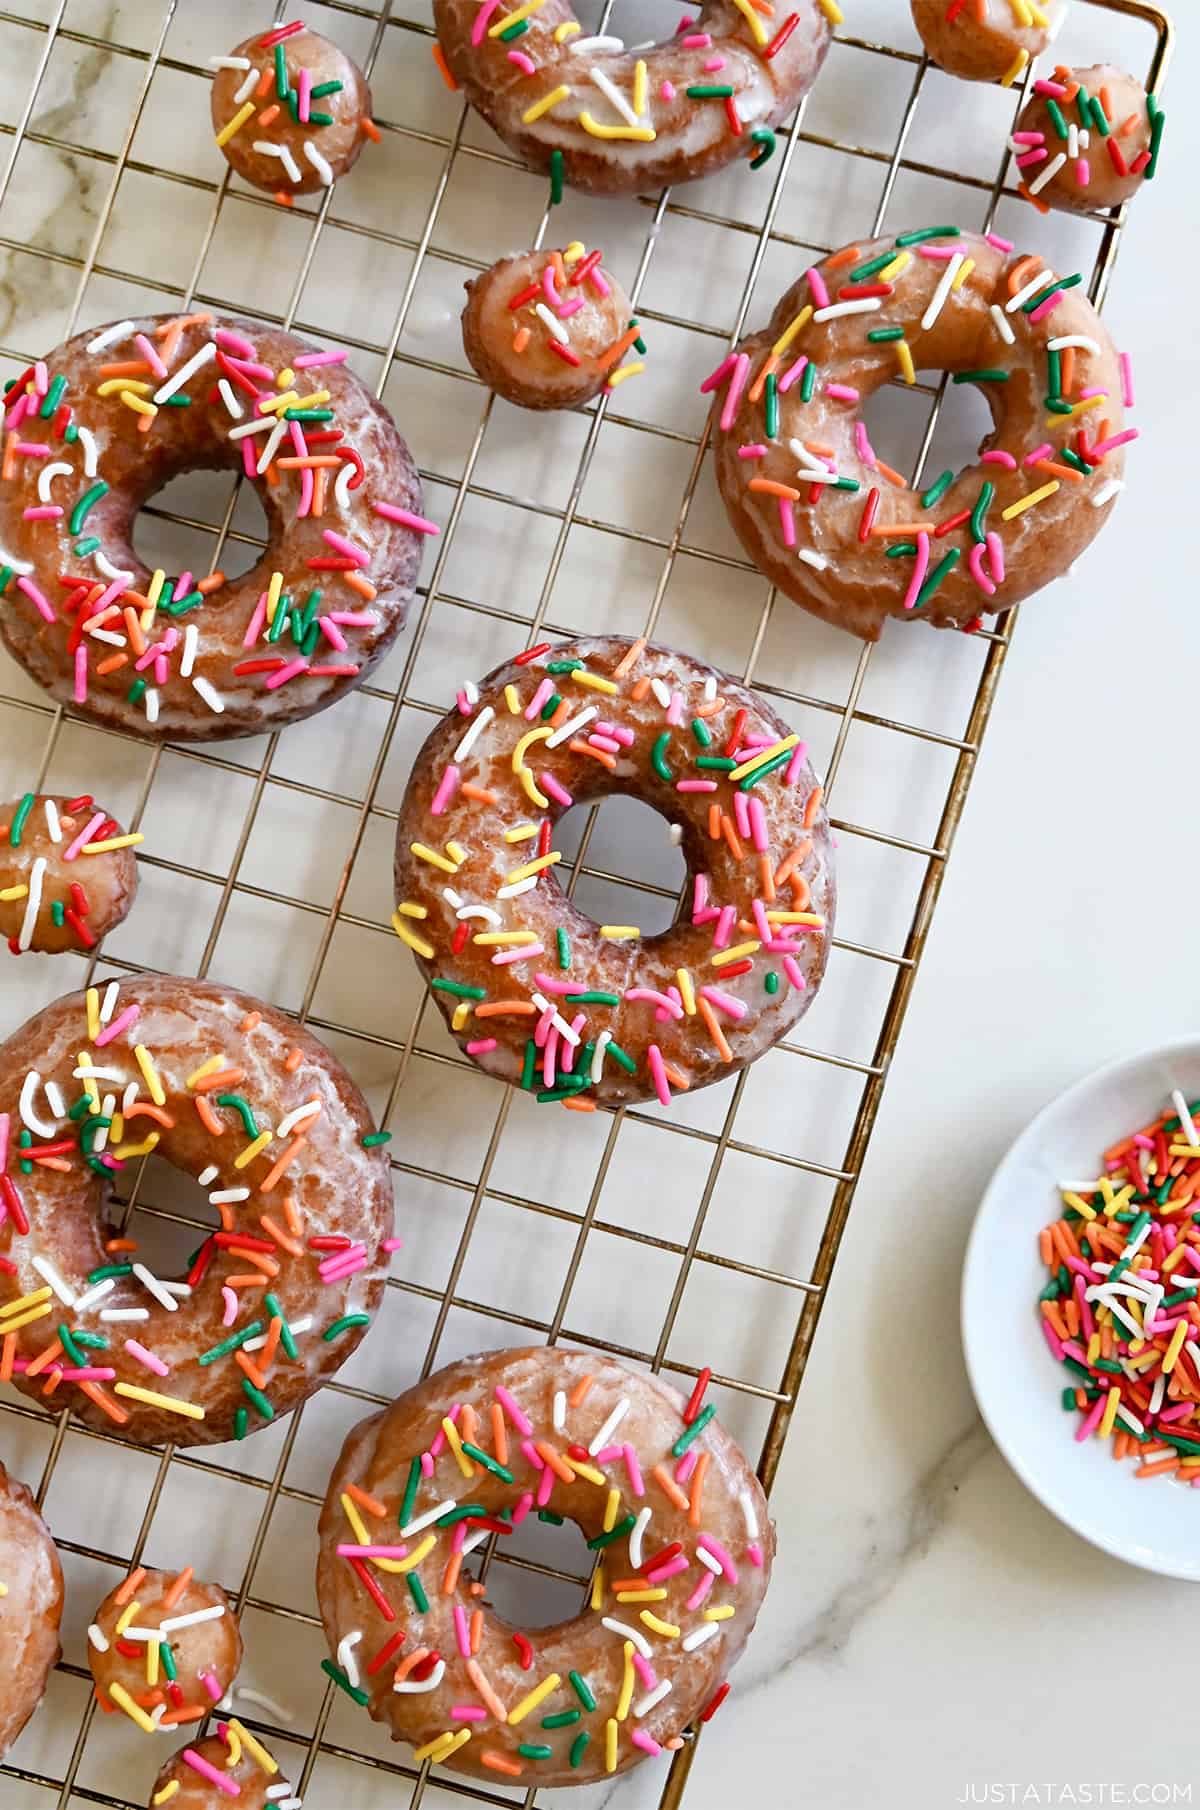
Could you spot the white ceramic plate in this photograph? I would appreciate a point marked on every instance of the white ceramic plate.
(1017, 1384)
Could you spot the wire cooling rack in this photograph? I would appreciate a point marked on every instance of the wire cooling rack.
(708, 1236)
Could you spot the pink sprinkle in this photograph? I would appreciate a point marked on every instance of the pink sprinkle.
(353, 618)
(1029, 138)
(81, 675)
(937, 254)
(523, 63)
(41, 377)
(841, 392)
(754, 1554)
(645, 1670)
(817, 289)
(545, 1488)
(406, 518)
(567, 309)
(675, 709)
(304, 95)
(285, 673)
(667, 91)
(237, 343)
(687, 1463)
(481, 1046)
(5, 1121)
(1095, 390)
(329, 627)
(559, 793)
(524, 952)
(758, 824)
(1000, 244)
(787, 525)
(149, 352)
(634, 1469)
(666, 1006)
(719, 1553)
(515, 1412)
(741, 813)
(713, 64)
(995, 547)
(306, 488)
(733, 394)
(221, 1780)
(147, 1358)
(1039, 452)
(725, 1002)
(754, 451)
(726, 919)
(795, 766)
(32, 449)
(646, 1742)
(1083, 172)
(447, 787)
(1052, 1340)
(249, 461)
(346, 548)
(697, 40)
(792, 373)
(213, 1688)
(1048, 306)
(996, 456)
(672, 1568)
(426, 1464)
(975, 561)
(719, 375)
(1110, 445)
(481, 20)
(1088, 1426)
(793, 973)
(701, 1591)
(468, 1712)
(462, 1631)
(540, 696)
(37, 598)
(392, 1244)
(619, 733)
(254, 629)
(1127, 392)
(696, 785)
(1047, 87)
(524, 1504)
(21, 407)
(42, 512)
(1038, 155)
(920, 568)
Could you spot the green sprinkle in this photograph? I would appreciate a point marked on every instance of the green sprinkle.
(1156, 132)
(5, 576)
(548, 1514)
(1068, 1399)
(937, 490)
(279, 619)
(563, 1719)
(534, 1750)
(701, 732)
(565, 1089)
(578, 1745)
(694, 1431)
(241, 1421)
(622, 1527)
(872, 267)
(69, 1346)
(752, 779)
(271, 1303)
(168, 1661)
(249, 1122)
(81, 1106)
(1054, 371)
(179, 401)
(556, 178)
(459, 989)
(989, 376)
(52, 398)
(463, 1512)
(551, 705)
(772, 406)
(528, 1064)
(72, 433)
(557, 666)
(1035, 301)
(20, 819)
(514, 31)
(324, 88)
(808, 382)
(564, 948)
(583, 1691)
(418, 1592)
(627, 1062)
(940, 572)
(1052, 1291)
(374, 1139)
(880, 335)
(308, 414)
(979, 514)
(281, 74)
(327, 1666)
(658, 758)
(258, 1398)
(319, 119)
(1096, 108)
(87, 545)
(1056, 114)
(594, 998)
(343, 1325)
(716, 763)
(1073, 459)
(639, 342)
(91, 1341)
(410, 1492)
(488, 1463)
(58, 915)
(927, 232)
(192, 601)
(762, 135)
(771, 981)
(846, 484)
(86, 503)
(111, 1269)
(233, 1343)
(1058, 407)
(710, 91)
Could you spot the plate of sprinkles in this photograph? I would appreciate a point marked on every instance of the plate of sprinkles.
(1088, 1242)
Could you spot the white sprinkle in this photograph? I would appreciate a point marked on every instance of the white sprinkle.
(47, 476)
(33, 904)
(125, 1313)
(261, 424)
(1002, 327)
(1031, 288)
(151, 702)
(942, 291)
(107, 1108)
(179, 1289)
(809, 460)
(553, 327)
(176, 382)
(517, 888)
(219, 63)
(42, 1127)
(272, 446)
(710, 688)
(836, 310)
(817, 561)
(91, 459)
(48, 1273)
(559, 1022)
(634, 1634)
(110, 335)
(604, 1436)
(1081, 340)
(58, 1105)
(662, 692)
(295, 1327)
(1107, 1300)
(104, 564)
(636, 1535)
(191, 641)
(97, 1074)
(290, 1120)
(320, 164)
(290, 165)
(427, 1519)
(229, 399)
(1072, 141)
(1185, 1118)
(602, 1043)
(1107, 493)
(104, 634)
(470, 691)
(474, 731)
(341, 488)
(645, 1704)
(613, 94)
(559, 1413)
(86, 1302)
(706, 1558)
(98, 1638)
(151, 1283)
(429, 1684)
(278, 1713)
(1192, 1349)
(175, 1622)
(581, 44)
(675, 833)
(1048, 174)
(706, 1631)
(208, 1175)
(228, 1194)
(568, 729)
(746, 1501)
(1130, 1419)
(345, 1656)
(1157, 1393)
(246, 88)
(108, 1004)
(210, 694)
(483, 912)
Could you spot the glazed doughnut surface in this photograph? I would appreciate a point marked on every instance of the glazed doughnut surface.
(113, 416)
(535, 991)
(548, 330)
(68, 873)
(666, 1501)
(197, 1625)
(30, 1607)
(1087, 139)
(219, 1354)
(290, 111)
(987, 40)
(186, 1782)
(818, 509)
(618, 122)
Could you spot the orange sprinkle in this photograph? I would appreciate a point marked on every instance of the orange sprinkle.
(478, 1678)
(114, 663)
(617, 350)
(224, 1077)
(606, 760)
(291, 1245)
(177, 1589)
(362, 585)
(52, 1381)
(697, 1488)
(468, 1426)
(579, 1393)
(271, 1348)
(731, 837)
(558, 1464)
(96, 1394)
(209, 1119)
(812, 805)
(311, 462)
(479, 793)
(669, 1487)
(450, 1579)
(498, 1763)
(294, 1059)
(521, 339)
(1043, 207)
(839, 258)
(409, 1662)
(891, 474)
(191, 1712)
(120, 1244)
(572, 1104)
(476, 1630)
(8, 1352)
(1066, 370)
(640, 688)
(714, 822)
(264, 84)
(251, 1369)
(1050, 1312)
(273, 1175)
(1022, 269)
(318, 496)
(213, 582)
(499, 1434)
(370, 130)
(10, 455)
(771, 488)
(45, 1358)
(372, 1504)
(132, 367)
(142, 1109)
(1158, 1469)
(440, 59)
(629, 658)
(901, 530)
(268, 115)
(713, 708)
(1059, 471)
(675, 1076)
(291, 1213)
(246, 1281)
(755, 391)
(504, 1008)
(133, 626)
(267, 1265)
(714, 1029)
(561, 712)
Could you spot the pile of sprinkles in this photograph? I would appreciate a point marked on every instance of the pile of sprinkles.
(1121, 1308)
(278, 425)
(75, 830)
(681, 1551)
(119, 1339)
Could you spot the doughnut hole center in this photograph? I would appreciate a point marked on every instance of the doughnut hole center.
(538, 1575)
(631, 870)
(178, 528)
(897, 418)
(170, 1215)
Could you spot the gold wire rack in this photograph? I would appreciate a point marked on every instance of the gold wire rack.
(40, 727)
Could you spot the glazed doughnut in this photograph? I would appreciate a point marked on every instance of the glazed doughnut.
(535, 991)
(620, 122)
(199, 1776)
(548, 329)
(987, 40)
(264, 115)
(113, 416)
(822, 515)
(1087, 139)
(266, 1120)
(176, 1679)
(665, 1499)
(53, 897)
(30, 1607)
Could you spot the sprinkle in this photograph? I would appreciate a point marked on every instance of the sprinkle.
(168, 1403)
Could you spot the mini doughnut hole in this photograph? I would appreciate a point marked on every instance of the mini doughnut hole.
(630, 839)
(548, 1586)
(179, 526)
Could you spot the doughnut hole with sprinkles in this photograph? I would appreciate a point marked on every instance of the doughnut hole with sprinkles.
(230, 1765)
(551, 329)
(987, 40)
(262, 1117)
(164, 1648)
(535, 991)
(68, 873)
(1086, 139)
(290, 111)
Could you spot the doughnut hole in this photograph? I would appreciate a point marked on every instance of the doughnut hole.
(897, 420)
(178, 526)
(636, 869)
(166, 1210)
(537, 1577)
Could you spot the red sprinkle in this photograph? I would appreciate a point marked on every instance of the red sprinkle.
(80, 928)
(525, 295)
(525, 1650)
(1118, 157)
(387, 1651)
(584, 268)
(870, 509)
(285, 31)
(459, 940)
(662, 1557)
(531, 653)
(948, 527)
(714, 1703)
(854, 292)
(697, 1396)
(737, 968)
(781, 36)
(372, 1589)
(731, 114)
(12, 1200)
(204, 1257)
(735, 734)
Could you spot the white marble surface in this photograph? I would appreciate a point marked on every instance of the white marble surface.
(930, 1628)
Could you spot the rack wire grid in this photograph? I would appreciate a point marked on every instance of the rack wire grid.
(706, 1236)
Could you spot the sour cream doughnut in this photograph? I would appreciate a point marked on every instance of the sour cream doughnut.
(987, 40)
(174, 1680)
(68, 873)
(823, 515)
(549, 329)
(535, 991)
(291, 111)
(1087, 139)
(30, 1607)
(667, 1502)
(618, 122)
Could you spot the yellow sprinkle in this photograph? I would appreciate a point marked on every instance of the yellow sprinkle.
(92, 1000)
(643, 134)
(137, 404)
(254, 1748)
(763, 755)
(1110, 1413)
(409, 910)
(522, 833)
(964, 271)
(89, 1085)
(612, 1504)
(20, 892)
(16, 1307)
(125, 1618)
(289, 399)
(626, 1696)
(619, 933)
(757, 28)
(639, 86)
(544, 105)
(795, 917)
(434, 859)
(512, 699)
(566, 30)
(1021, 13)
(440, 1745)
(530, 788)
(35, 1313)
(152, 1654)
(594, 682)
(462, 1012)
(361, 1531)
(150, 1073)
(123, 383)
(519, 767)
(134, 1711)
(236, 123)
(455, 1444)
(123, 1151)
(641, 1596)
(1176, 1256)
(251, 1151)
(666, 1628)
(415, 942)
(900, 262)
(285, 379)
(114, 842)
(832, 11)
(905, 359)
(537, 1695)
(170, 1404)
(623, 372)
(586, 1470)
(164, 1796)
(1039, 17)
(530, 868)
(1027, 502)
(1175, 1347)
(574, 251)
(1093, 1348)
(726, 1610)
(235, 1753)
(206, 1068)
(457, 852)
(597, 1597)
(790, 331)
(498, 938)
(1184, 1149)
(274, 588)
(610, 1746)
(732, 955)
(153, 592)
(522, 12)
(1015, 69)
(687, 992)
(3, 1589)
(1080, 1205)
